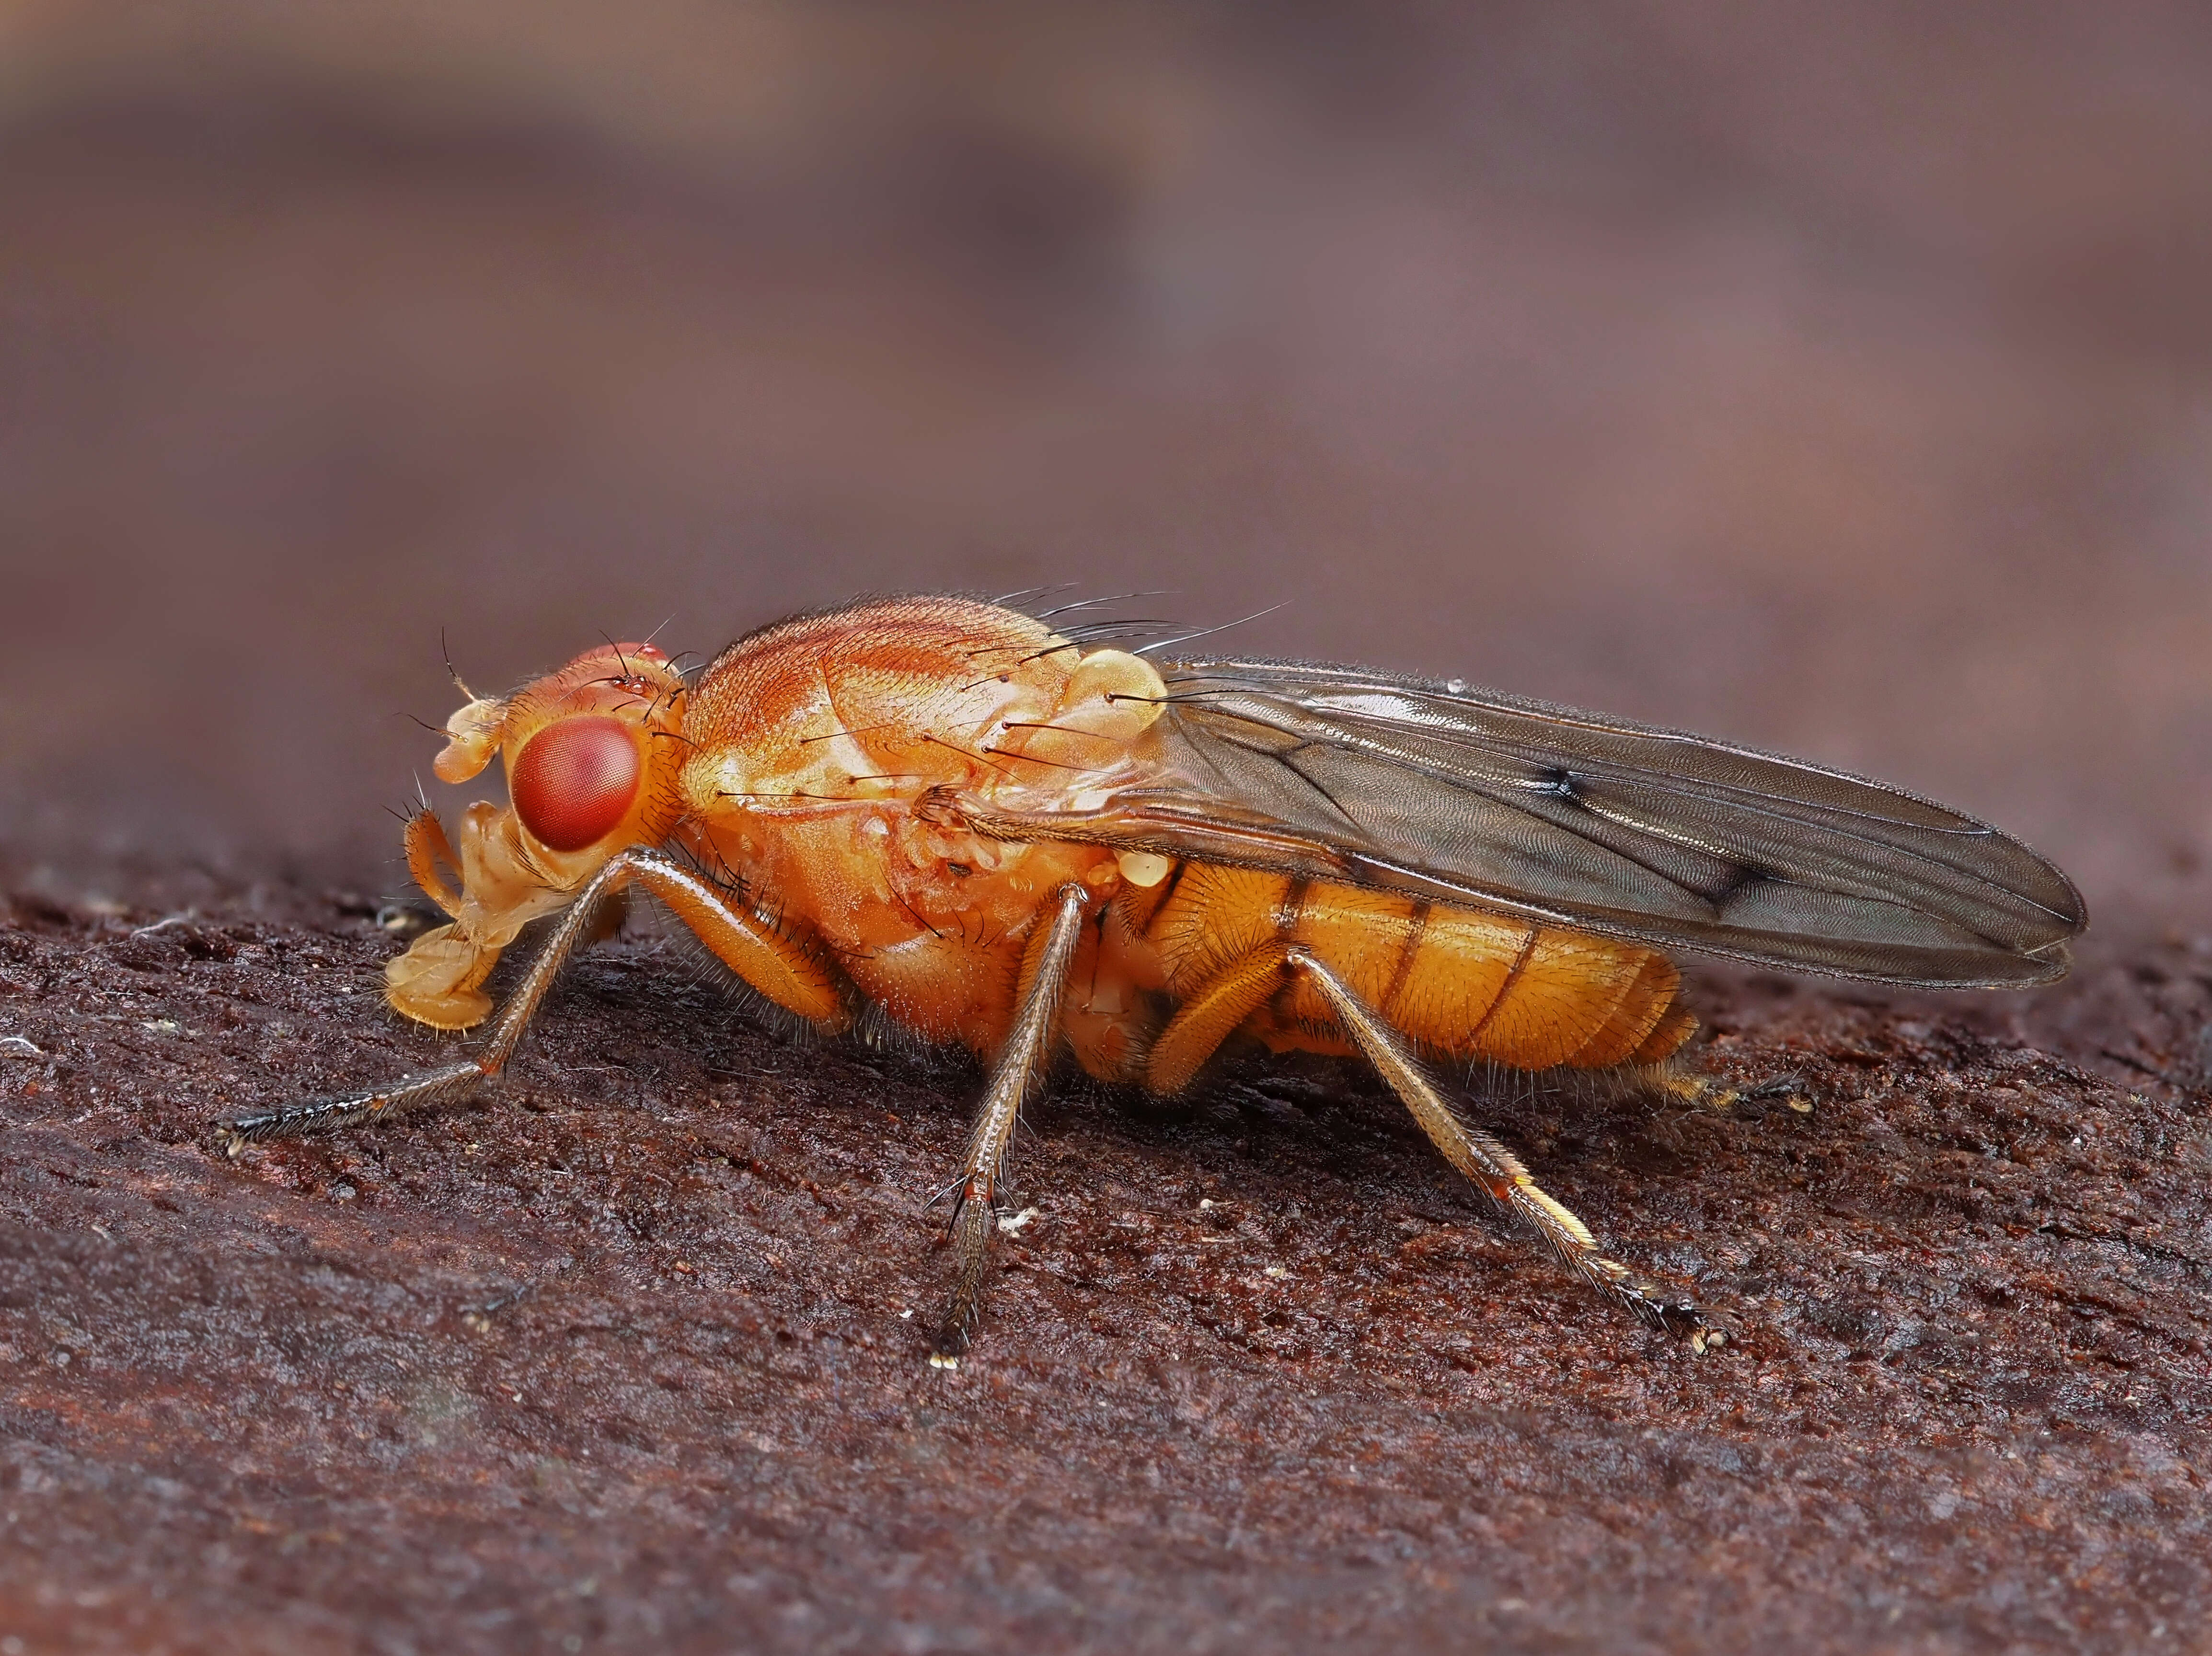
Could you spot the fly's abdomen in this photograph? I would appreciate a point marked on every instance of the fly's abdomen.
(1459, 980)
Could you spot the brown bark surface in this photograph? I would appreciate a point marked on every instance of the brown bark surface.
(623, 1359)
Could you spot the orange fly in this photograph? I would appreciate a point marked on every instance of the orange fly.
(1004, 838)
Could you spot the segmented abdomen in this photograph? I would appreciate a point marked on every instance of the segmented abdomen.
(1459, 980)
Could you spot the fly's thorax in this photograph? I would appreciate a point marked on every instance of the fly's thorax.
(835, 762)
(927, 921)
(893, 699)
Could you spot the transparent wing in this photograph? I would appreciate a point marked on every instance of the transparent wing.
(1471, 796)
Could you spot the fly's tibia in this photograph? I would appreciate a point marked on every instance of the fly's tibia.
(312, 1115)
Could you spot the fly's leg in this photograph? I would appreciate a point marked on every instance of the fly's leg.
(1705, 1092)
(1494, 1169)
(1045, 963)
(1699, 1092)
(1211, 1015)
(748, 944)
(449, 1085)
(455, 1081)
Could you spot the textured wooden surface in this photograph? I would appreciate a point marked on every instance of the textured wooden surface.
(623, 1356)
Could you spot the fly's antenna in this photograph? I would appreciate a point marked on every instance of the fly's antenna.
(450, 673)
(1208, 631)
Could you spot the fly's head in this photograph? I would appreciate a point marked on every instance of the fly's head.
(592, 754)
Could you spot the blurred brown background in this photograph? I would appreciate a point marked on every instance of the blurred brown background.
(1841, 382)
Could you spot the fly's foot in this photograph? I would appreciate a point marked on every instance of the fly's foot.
(1666, 1306)
(1705, 1092)
(974, 1223)
(311, 1115)
(1790, 1089)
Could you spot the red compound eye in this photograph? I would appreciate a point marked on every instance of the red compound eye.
(575, 781)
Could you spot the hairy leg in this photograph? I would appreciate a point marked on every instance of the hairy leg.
(1494, 1169)
(748, 945)
(1028, 1050)
(1706, 1092)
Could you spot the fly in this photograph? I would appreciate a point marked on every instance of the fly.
(999, 836)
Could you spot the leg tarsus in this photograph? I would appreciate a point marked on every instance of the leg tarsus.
(1705, 1092)
(1028, 1049)
(975, 1224)
(1664, 1306)
(312, 1115)
(1699, 1092)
